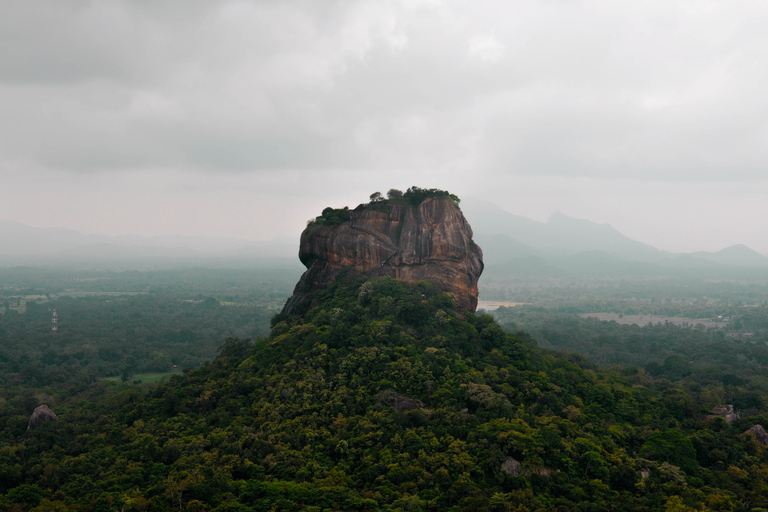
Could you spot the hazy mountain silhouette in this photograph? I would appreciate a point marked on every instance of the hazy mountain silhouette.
(515, 245)
(18, 239)
(561, 235)
(511, 244)
(739, 255)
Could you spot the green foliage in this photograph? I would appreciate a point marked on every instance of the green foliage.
(158, 320)
(414, 196)
(331, 217)
(382, 397)
(671, 446)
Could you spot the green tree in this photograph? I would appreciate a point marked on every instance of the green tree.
(671, 446)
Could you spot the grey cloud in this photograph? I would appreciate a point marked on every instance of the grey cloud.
(635, 90)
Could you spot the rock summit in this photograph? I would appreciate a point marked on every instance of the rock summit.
(420, 236)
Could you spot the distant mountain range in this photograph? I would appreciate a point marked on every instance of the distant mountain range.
(564, 246)
(511, 244)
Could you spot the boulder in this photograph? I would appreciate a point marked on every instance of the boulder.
(511, 466)
(41, 414)
(402, 403)
(398, 402)
(724, 411)
(759, 433)
(431, 240)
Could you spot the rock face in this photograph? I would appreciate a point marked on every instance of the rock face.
(41, 414)
(430, 241)
(724, 411)
(511, 466)
(759, 433)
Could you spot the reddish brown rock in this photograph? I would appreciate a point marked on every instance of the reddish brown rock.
(430, 241)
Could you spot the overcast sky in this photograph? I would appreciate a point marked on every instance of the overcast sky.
(246, 118)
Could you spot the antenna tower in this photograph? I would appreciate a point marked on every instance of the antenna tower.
(54, 322)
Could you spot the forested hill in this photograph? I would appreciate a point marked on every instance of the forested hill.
(383, 397)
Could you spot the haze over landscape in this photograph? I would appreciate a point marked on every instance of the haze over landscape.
(409, 255)
(244, 119)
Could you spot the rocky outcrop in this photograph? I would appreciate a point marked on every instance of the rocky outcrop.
(398, 402)
(402, 403)
(723, 411)
(430, 241)
(759, 433)
(41, 414)
(511, 466)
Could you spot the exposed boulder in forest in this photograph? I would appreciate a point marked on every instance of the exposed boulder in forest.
(511, 466)
(399, 403)
(41, 414)
(402, 403)
(723, 411)
(759, 433)
(547, 473)
(403, 239)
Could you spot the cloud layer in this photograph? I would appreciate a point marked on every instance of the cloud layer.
(437, 92)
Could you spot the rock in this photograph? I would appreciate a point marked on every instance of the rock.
(398, 402)
(402, 403)
(546, 473)
(645, 473)
(430, 241)
(41, 414)
(759, 433)
(723, 411)
(511, 466)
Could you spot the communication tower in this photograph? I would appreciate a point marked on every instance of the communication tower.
(54, 322)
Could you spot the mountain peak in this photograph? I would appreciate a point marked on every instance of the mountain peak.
(739, 249)
(737, 255)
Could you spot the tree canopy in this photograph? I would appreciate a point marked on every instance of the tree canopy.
(383, 397)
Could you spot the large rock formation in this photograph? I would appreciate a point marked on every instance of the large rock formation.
(512, 466)
(41, 414)
(723, 411)
(430, 241)
(759, 433)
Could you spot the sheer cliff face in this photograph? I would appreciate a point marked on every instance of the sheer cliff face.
(430, 241)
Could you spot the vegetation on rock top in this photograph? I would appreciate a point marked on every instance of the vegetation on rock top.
(413, 196)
